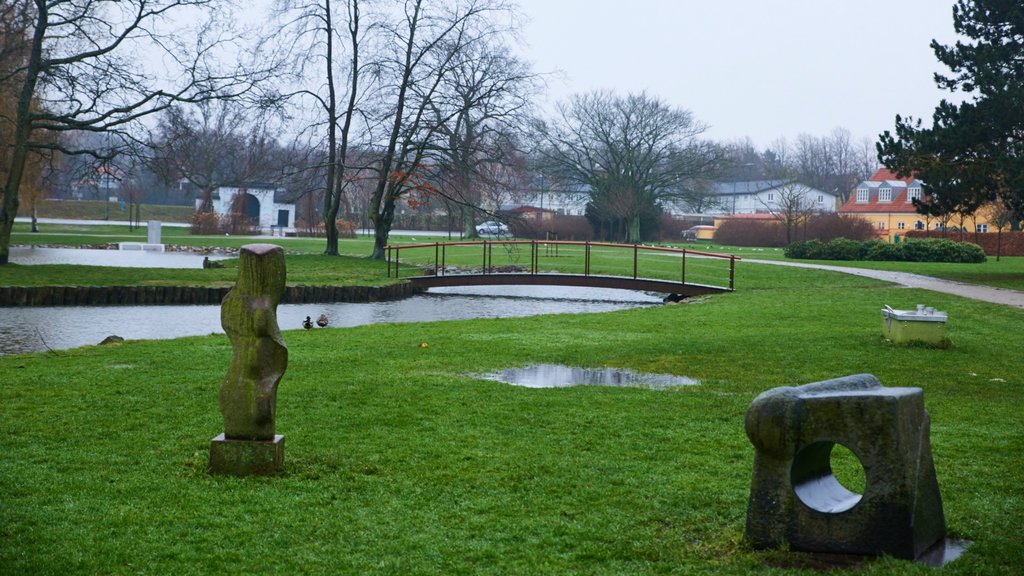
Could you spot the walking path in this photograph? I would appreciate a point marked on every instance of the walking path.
(1005, 296)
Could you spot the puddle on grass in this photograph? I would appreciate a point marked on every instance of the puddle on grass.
(558, 376)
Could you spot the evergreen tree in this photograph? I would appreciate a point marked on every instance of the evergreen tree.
(974, 151)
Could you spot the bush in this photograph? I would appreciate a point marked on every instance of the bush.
(913, 250)
(941, 250)
(238, 224)
(843, 249)
(205, 223)
(750, 233)
(576, 228)
(882, 251)
(827, 227)
(346, 228)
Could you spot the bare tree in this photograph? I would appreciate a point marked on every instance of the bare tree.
(79, 61)
(633, 153)
(792, 206)
(426, 41)
(212, 144)
(325, 43)
(480, 110)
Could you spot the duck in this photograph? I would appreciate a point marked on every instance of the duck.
(322, 321)
(307, 323)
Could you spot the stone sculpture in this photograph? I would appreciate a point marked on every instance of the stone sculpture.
(794, 496)
(248, 396)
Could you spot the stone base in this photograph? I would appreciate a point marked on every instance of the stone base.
(246, 457)
(144, 246)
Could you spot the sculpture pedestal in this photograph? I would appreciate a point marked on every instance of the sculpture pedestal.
(246, 457)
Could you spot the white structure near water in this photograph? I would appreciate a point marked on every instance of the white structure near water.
(263, 203)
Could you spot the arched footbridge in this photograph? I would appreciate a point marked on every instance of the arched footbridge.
(674, 271)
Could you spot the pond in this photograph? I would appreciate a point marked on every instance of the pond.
(41, 328)
(93, 257)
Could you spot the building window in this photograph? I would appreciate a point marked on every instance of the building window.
(900, 225)
(918, 225)
(771, 196)
(913, 193)
(881, 225)
(981, 228)
(885, 195)
(821, 198)
(862, 195)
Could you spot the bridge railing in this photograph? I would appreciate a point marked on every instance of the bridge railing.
(565, 257)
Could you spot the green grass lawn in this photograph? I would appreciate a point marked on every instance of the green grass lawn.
(400, 461)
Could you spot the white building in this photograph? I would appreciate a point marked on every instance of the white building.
(263, 203)
(768, 196)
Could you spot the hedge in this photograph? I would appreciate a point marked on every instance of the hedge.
(911, 250)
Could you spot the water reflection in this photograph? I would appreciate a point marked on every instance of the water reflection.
(36, 329)
(558, 376)
(93, 257)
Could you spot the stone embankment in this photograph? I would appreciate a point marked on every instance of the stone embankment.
(14, 296)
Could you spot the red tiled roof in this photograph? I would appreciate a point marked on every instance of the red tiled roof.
(883, 174)
(899, 204)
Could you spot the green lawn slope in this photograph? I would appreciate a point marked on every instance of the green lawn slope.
(400, 460)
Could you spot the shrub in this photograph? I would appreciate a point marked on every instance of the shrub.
(205, 223)
(913, 250)
(672, 228)
(346, 228)
(576, 228)
(237, 223)
(843, 249)
(809, 250)
(827, 227)
(750, 233)
(882, 251)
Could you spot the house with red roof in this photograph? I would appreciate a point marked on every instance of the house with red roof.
(886, 201)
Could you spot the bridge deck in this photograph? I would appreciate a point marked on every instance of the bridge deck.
(579, 280)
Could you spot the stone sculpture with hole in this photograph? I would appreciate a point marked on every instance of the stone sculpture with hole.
(795, 498)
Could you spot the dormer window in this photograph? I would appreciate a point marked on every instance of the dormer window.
(885, 195)
(913, 193)
(862, 195)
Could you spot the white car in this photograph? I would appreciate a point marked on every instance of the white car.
(491, 228)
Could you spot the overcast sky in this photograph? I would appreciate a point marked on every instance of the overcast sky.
(757, 68)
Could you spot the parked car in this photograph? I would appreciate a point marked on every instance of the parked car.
(491, 228)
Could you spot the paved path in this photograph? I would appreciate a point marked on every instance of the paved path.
(1005, 296)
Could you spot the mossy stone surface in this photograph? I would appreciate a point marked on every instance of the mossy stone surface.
(795, 498)
(248, 396)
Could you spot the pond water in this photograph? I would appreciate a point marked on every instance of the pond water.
(558, 376)
(36, 329)
(93, 257)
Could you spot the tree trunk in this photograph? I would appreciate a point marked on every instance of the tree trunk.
(468, 228)
(383, 216)
(35, 221)
(22, 131)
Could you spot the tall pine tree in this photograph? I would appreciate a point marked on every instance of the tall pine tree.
(974, 151)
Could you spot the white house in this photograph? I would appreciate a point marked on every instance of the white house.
(262, 202)
(768, 196)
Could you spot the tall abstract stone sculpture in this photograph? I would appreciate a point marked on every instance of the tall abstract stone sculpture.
(796, 499)
(248, 396)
